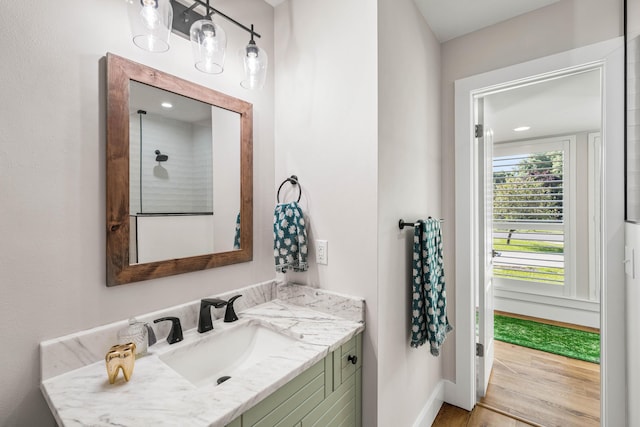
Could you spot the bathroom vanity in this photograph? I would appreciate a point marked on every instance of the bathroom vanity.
(309, 373)
(328, 393)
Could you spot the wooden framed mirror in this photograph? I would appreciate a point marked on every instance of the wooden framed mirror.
(179, 182)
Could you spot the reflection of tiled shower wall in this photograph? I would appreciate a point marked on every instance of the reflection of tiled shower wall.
(203, 163)
(633, 129)
(183, 182)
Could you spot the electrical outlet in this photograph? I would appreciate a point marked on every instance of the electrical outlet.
(322, 255)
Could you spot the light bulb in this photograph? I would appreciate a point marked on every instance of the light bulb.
(149, 14)
(255, 66)
(209, 43)
(150, 22)
(252, 63)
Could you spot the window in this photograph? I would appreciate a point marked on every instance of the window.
(531, 211)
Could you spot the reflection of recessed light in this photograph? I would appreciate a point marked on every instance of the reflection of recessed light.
(167, 105)
(522, 128)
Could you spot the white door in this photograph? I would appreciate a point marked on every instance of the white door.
(484, 342)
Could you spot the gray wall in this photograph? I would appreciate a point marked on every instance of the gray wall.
(326, 134)
(357, 119)
(52, 180)
(409, 187)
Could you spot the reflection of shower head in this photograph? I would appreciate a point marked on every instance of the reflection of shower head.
(161, 157)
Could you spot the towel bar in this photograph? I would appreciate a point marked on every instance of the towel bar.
(402, 224)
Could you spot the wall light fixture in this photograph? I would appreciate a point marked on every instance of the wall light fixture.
(153, 20)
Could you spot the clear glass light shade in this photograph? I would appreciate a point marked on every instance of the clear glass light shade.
(209, 43)
(151, 22)
(255, 66)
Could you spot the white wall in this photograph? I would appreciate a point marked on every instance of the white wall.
(327, 135)
(560, 27)
(361, 130)
(409, 187)
(52, 180)
(632, 240)
(226, 177)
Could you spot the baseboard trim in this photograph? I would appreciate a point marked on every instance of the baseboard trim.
(432, 407)
(584, 313)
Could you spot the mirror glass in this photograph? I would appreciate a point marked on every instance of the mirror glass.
(184, 176)
(632, 82)
(179, 175)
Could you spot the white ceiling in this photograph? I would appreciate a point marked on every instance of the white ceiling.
(449, 19)
(561, 106)
(555, 107)
(149, 99)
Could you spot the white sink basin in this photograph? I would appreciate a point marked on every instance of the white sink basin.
(223, 352)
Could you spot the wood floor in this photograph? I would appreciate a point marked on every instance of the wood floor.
(452, 416)
(530, 385)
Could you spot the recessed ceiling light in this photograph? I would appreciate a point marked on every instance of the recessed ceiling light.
(522, 128)
(167, 105)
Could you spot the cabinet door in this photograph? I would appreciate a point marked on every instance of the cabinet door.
(327, 394)
(344, 358)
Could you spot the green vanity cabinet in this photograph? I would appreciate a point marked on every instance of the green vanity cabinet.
(327, 394)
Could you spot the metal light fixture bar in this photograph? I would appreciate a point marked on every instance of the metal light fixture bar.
(184, 16)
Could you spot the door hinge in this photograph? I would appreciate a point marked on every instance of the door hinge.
(479, 131)
(479, 350)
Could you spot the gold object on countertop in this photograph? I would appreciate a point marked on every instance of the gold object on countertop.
(121, 356)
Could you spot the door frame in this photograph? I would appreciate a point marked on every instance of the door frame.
(609, 55)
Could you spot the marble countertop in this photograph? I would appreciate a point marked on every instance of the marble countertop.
(156, 395)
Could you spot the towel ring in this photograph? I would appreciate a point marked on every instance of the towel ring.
(294, 181)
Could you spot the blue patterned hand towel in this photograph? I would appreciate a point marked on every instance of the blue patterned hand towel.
(429, 306)
(236, 238)
(289, 238)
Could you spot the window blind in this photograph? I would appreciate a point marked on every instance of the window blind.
(528, 215)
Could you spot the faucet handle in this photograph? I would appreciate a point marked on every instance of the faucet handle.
(230, 313)
(151, 336)
(175, 334)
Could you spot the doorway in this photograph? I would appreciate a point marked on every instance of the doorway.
(544, 135)
(607, 57)
(534, 259)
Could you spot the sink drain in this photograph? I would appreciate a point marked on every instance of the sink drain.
(223, 379)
